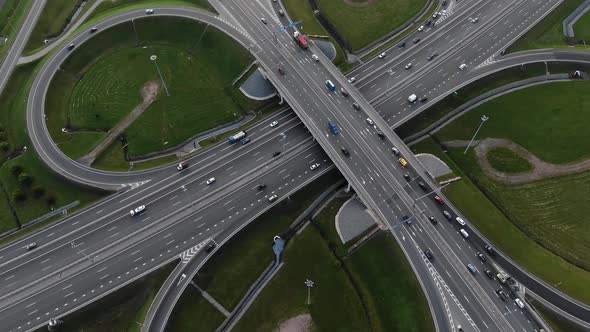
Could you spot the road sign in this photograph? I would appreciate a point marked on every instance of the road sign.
(281, 29)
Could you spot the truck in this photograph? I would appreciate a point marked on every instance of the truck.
(330, 85)
(237, 136)
(412, 98)
(300, 40)
(333, 127)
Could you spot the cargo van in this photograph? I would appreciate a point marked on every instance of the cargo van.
(333, 127)
(412, 98)
(464, 233)
(330, 85)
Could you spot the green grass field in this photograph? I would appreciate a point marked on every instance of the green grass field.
(364, 24)
(548, 120)
(507, 161)
(194, 313)
(582, 28)
(96, 92)
(11, 16)
(109, 7)
(549, 32)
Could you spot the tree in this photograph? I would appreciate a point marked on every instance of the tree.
(51, 199)
(38, 192)
(19, 195)
(16, 169)
(25, 179)
(4, 146)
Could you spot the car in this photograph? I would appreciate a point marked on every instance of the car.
(424, 99)
(428, 23)
(402, 44)
(501, 294)
(460, 221)
(407, 176)
(421, 28)
(181, 166)
(210, 181)
(281, 71)
(274, 123)
(345, 151)
(432, 56)
(261, 187)
(433, 220)
(412, 98)
(71, 46)
(428, 254)
(443, 3)
(370, 122)
(422, 185)
(471, 268)
(409, 65)
(395, 151)
(403, 162)
(416, 40)
(435, 14)
(382, 55)
(490, 250)
(314, 166)
(149, 11)
(459, 328)
(352, 80)
(93, 30)
(263, 20)
(447, 215)
(281, 12)
(245, 140)
(439, 200)
(380, 134)
(462, 66)
(315, 57)
(474, 20)
(137, 210)
(481, 257)
(356, 106)
(276, 153)
(407, 220)
(464, 233)
(272, 198)
(344, 92)
(489, 273)
(519, 303)
(210, 247)
(31, 246)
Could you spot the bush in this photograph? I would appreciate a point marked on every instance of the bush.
(25, 179)
(51, 199)
(4, 146)
(16, 169)
(38, 192)
(19, 195)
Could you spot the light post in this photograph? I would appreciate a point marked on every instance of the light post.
(484, 118)
(153, 58)
(309, 285)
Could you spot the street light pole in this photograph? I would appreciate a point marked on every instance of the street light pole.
(484, 118)
(153, 58)
(309, 285)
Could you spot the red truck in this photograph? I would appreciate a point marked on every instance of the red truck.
(300, 40)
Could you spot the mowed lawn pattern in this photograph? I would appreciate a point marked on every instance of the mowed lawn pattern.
(101, 84)
(369, 20)
(505, 160)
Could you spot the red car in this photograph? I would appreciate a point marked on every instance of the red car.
(439, 200)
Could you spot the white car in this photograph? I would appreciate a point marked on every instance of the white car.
(435, 15)
(314, 166)
(370, 122)
(473, 20)
(274, 123)
(460, 221)
(137, 210)
(263, 20)
(272, 198)
(421, 28)
(211, 180)
(382, 55)
(315, 57)
(31, 246)
(519, 303)
(462, 66)
(149, 11)
(352, 80)
(409, 65)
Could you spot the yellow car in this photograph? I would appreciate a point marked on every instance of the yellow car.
(403, 162)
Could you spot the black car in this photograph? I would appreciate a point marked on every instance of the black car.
(345, 151)
(428, 23)
(407, 220)
(489, 273)
(276, 153)
(428, 254)
(424, 99)
(416, 40)
(281, 71)
(407, 176)
(402, 44)
(210, 247)
(422, 185)
(481, 257)
(245, 140)
(356, 106)
(380, 134)
(501, 294)
(93, 30)
(261, 186)
(433, 220)
(71, 47)
(490, 250)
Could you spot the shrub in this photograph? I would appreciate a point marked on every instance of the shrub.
(51, 199)
(19, 195)
(4, 146)
(38, 191)
(25, 179)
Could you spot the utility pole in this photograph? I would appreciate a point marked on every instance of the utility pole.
(484, 118)
(153, 58)
(309, 285)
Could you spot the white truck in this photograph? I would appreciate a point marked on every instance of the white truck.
(412, 98)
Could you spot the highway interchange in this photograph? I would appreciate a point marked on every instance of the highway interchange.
(108, 257)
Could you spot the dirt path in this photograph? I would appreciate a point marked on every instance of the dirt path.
(301, 323)
(149, 92)
(541, 169)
